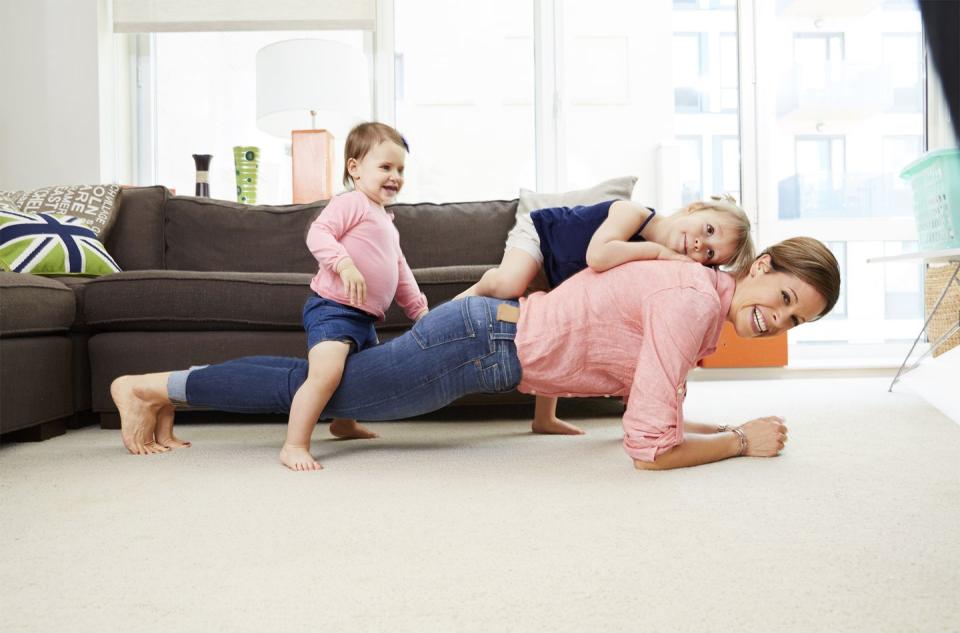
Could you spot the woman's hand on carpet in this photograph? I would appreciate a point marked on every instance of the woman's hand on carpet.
(766, 437)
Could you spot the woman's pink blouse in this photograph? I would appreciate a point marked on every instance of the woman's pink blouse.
(634, 332)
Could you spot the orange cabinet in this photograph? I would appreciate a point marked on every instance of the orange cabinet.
(733, 351)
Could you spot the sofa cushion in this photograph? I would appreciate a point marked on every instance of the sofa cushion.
(136, 239)
(455, 233)
(34, 305)
(192, 300)
(217, 235)
(439, 284)
(78, 285)
(51, 244)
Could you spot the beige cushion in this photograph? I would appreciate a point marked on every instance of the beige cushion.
(94, 205)
(615, 189)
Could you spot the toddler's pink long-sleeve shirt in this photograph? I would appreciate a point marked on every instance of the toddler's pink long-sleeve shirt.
(645, 325)
(354, 226)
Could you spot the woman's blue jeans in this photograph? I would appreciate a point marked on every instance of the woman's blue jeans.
(457, 349)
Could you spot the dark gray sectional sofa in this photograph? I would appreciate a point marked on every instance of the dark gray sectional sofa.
(203, 281)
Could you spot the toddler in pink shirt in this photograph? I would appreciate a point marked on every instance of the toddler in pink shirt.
(361, 270)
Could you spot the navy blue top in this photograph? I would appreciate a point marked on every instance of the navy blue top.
(565, 233)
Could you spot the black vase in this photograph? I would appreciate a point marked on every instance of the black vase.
(202, 161)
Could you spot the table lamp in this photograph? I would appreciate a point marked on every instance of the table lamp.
(302, 82)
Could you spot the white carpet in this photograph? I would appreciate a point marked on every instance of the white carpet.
(479, 526)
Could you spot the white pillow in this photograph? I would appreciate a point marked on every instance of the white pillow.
(615, 189)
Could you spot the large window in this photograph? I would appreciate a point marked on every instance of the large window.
(838, 117)
(466, 97)
(561, 94)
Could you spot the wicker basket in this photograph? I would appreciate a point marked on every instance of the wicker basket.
(949, 313)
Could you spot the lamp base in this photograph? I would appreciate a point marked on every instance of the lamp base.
(312, 152)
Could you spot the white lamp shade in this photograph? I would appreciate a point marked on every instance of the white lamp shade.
(297, 76)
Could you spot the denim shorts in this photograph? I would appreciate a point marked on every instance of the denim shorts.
(326, 320)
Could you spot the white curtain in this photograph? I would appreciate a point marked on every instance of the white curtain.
(148, 16)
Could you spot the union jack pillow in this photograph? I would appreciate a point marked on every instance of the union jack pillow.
(51, 244)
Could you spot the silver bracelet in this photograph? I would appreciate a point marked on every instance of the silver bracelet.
(743, 440)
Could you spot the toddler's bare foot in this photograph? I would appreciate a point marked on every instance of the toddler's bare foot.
(555, 426)
(351, 430)
(164, 432)
(298, 458)
(138, 417)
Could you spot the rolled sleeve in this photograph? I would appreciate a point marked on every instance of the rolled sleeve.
(675, 324)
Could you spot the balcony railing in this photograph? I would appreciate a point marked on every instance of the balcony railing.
(834, 91)
(846, 195)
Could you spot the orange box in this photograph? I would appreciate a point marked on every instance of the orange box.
(733, 351)
(312, 152)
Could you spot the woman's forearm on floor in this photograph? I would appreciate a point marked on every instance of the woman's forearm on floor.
(695, 450)
(699, 427)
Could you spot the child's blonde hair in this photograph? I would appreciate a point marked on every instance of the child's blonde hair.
(744, 253)
(363, 138)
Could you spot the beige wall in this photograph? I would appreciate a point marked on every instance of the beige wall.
(50, 117)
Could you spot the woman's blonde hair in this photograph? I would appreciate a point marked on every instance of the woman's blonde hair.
(744, 253)
(810, 260)
(363, 138)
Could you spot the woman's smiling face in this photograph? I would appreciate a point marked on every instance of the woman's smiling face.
(767, 302)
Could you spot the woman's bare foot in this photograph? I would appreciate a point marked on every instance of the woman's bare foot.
(351, 430)
(164, 431)
(554, 426)
(138, 418)
(298, 458)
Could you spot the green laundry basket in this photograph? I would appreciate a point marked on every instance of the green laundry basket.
(935, 179)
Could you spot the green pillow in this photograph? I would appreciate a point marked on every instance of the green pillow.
(51, 244)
